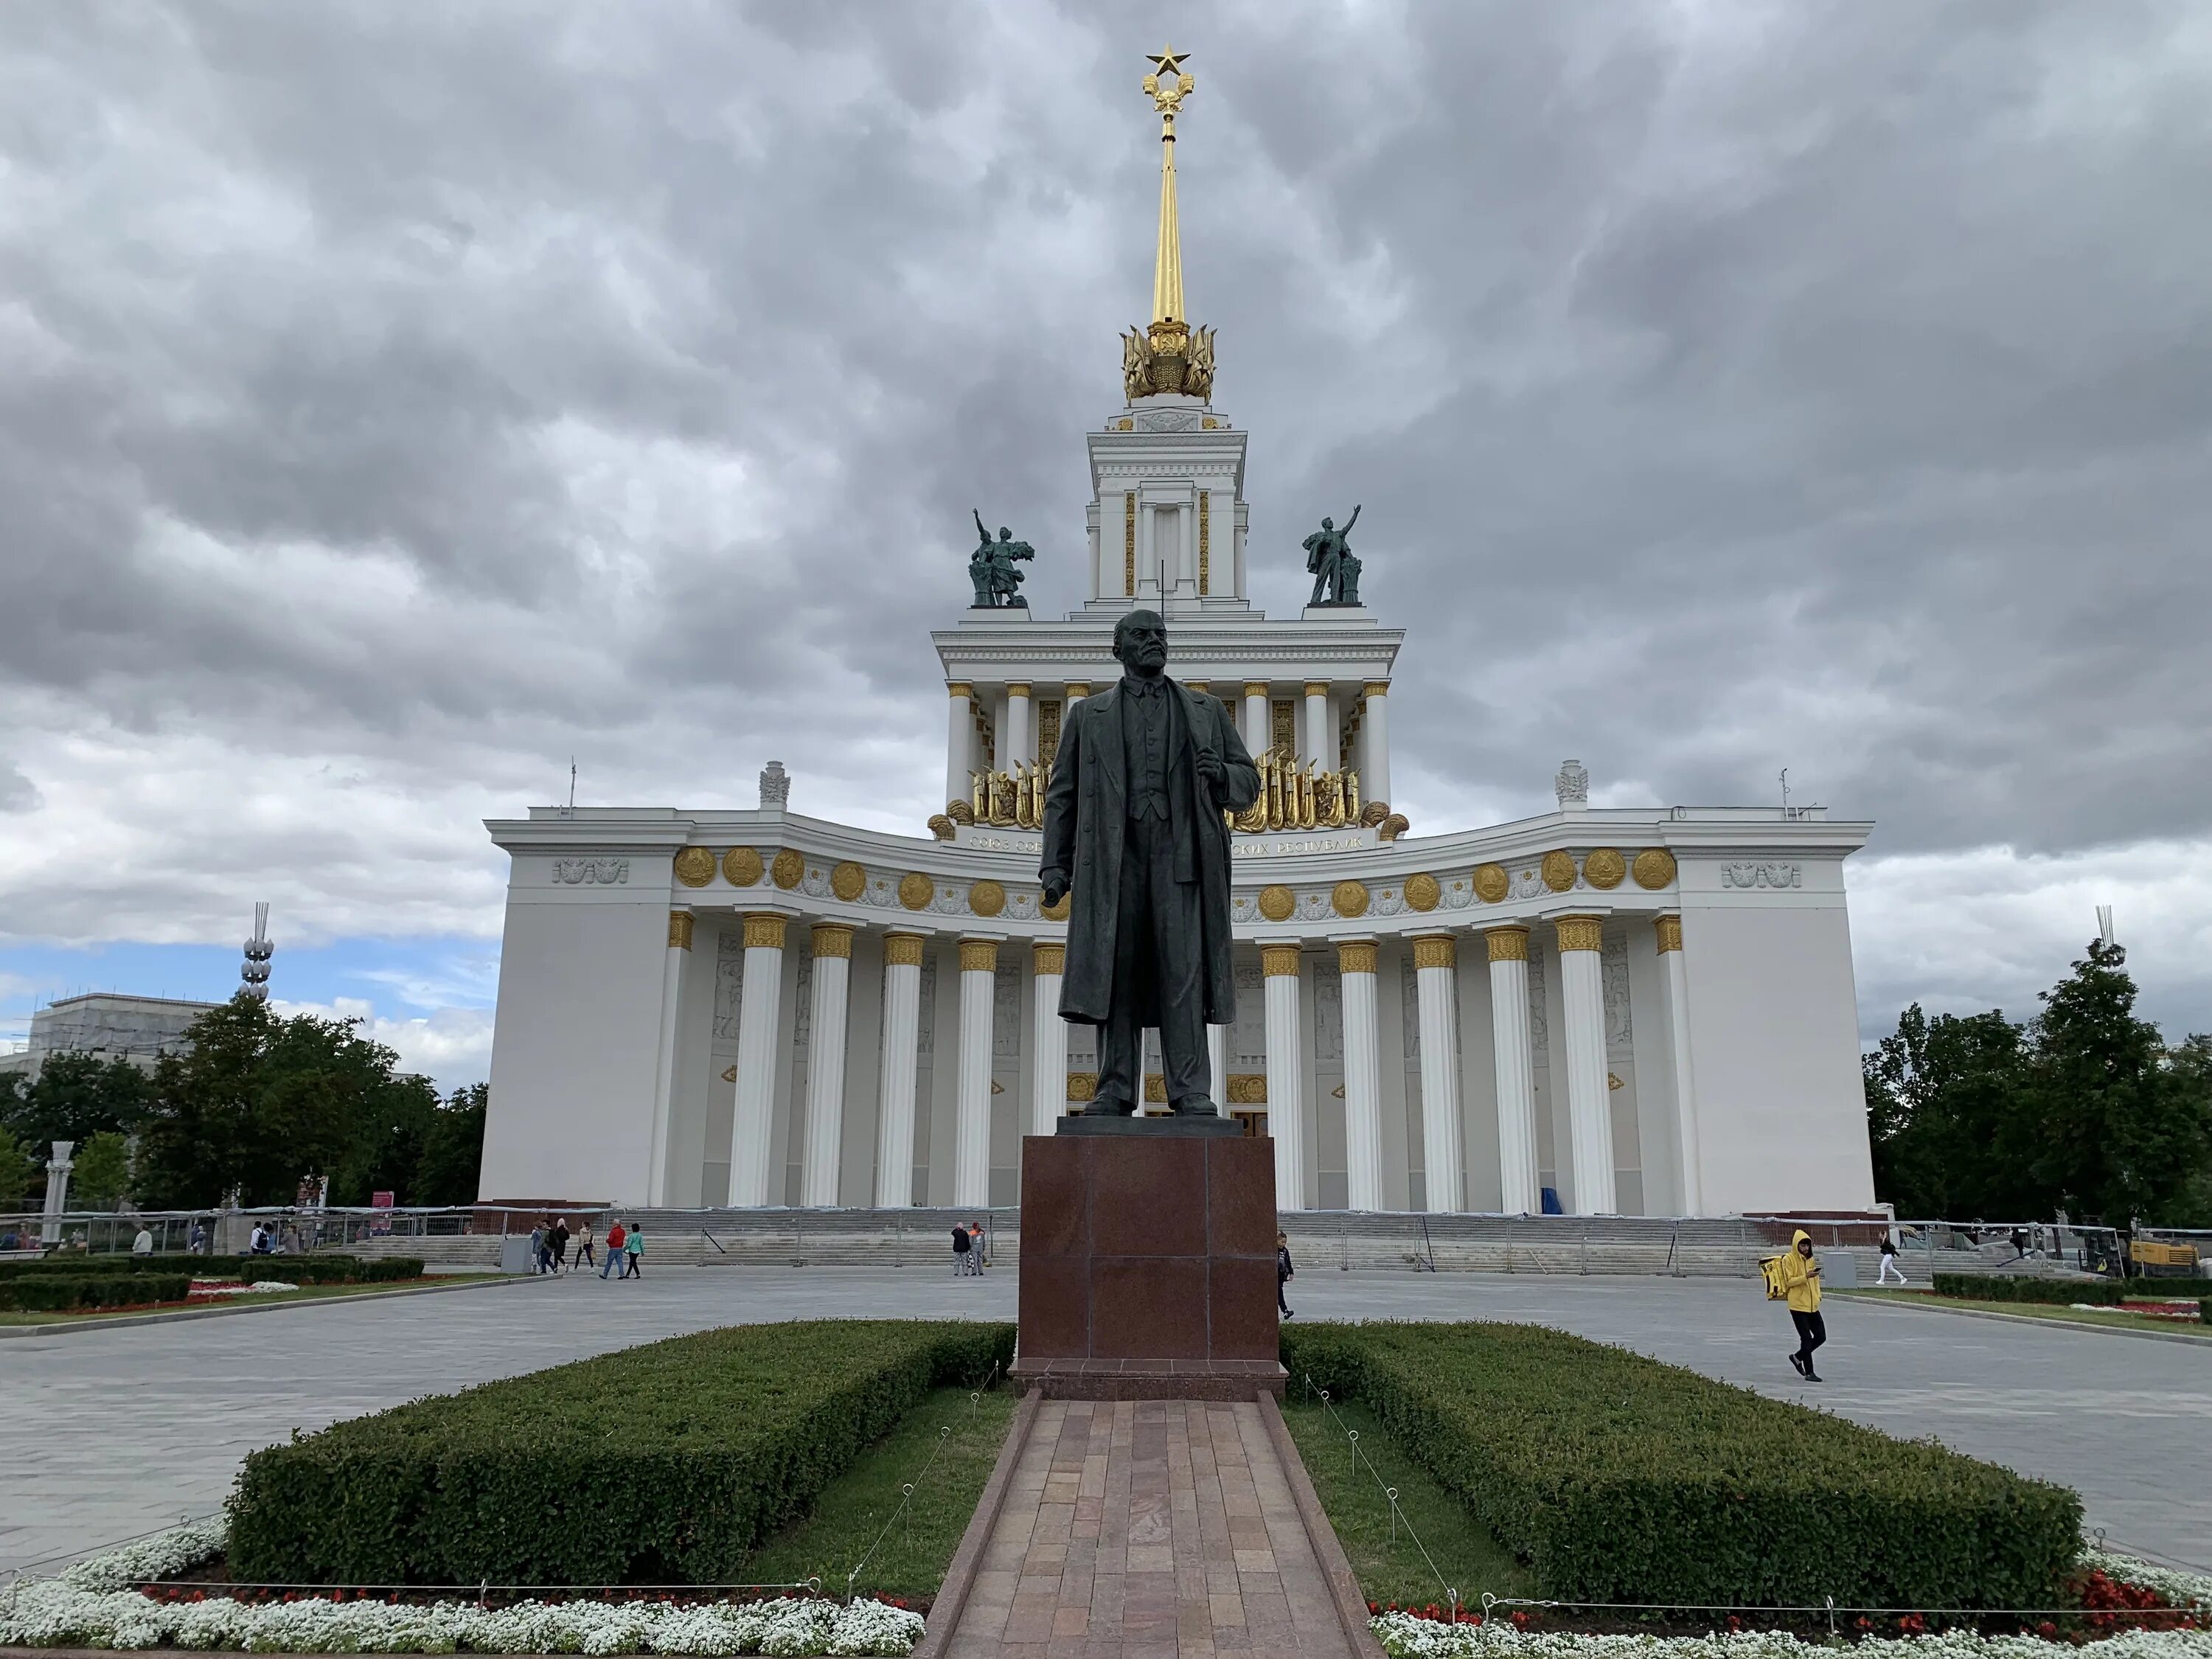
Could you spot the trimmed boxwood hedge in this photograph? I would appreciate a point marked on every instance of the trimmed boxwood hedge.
(61, 1292)
(1619, 1478)
(296, 1269)
(1977, 1287)
(662, 1464)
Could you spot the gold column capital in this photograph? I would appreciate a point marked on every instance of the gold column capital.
(1254, 688)
(1580, 933)
(1278, 961)
(679, 930)
(1356, 956)
(1670, 929)
(1316, 688)
(832, 938)
(1049, 958)
(764, 930)
(1198, 685)
(1509, 944)
(1435, 951)
(979, 956)
(1017, 688)
(960, 689)
(903, 950)
(1374, 689)
(1079, 688)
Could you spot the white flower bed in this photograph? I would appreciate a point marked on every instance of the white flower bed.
(1405, 1637)
(91, 1605)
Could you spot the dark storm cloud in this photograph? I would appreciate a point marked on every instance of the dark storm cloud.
(399, 400)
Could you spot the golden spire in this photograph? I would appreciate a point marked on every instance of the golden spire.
(1170, 356)
(1168, 84)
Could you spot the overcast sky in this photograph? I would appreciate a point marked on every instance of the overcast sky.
(396, 400)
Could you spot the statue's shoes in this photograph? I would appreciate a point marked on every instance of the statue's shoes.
(1197, 1106)
(1108, 1109)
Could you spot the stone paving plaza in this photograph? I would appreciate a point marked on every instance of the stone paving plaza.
(108, 1434)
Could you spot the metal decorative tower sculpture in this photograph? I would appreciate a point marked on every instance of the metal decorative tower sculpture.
(259, 949)
(1170, 356)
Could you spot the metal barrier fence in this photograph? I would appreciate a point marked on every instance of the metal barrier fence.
(920, 1236)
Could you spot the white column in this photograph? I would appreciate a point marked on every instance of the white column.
(1321, 742)
(1435, 978)
(825, 1064)
(1590, 1110)
(1016, 744)
(901, 1054)
(1216, 1061)
(1279, 970)
(1375, 741)
(1077, 691)
(1148, 558)
(58, 1176)
(1257, 718)
(1686, 1088)
(759, 1032)
(959, 742)
(663, 1076)
(971, 1149)
(1521, 1193)
(1048, 1039)
(1363, 1077)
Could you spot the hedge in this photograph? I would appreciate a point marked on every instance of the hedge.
(1619, 1478)
(61, 1292)
(295, 1269)
(1974, 1287)
(2105, 1292)
(662, 1464)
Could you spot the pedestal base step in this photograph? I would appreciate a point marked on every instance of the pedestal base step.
(1149, 1379)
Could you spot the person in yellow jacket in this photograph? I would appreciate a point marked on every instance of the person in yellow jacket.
(1801, 1286)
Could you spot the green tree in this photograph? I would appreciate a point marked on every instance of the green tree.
(1942, 1095)
(22, 1174)
(101, 1179)
(452, 1153)
(260, 1102)
(77, 1096)
(2121, 1128)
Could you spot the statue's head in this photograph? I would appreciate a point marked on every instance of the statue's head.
(1328, 524)
(1141, 642)
(1005, 534)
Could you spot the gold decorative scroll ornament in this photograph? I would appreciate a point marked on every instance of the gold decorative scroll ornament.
(1294, 796)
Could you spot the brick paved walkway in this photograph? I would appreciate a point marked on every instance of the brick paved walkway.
(1154, 1529)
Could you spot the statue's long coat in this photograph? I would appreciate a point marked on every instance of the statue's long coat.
(1085, 811)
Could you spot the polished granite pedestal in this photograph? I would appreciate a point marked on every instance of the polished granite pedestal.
(1148, 1264)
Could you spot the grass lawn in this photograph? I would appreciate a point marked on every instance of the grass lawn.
(852, 1511)
(305, 1293)
(2116, 1317)
(1391, 1568)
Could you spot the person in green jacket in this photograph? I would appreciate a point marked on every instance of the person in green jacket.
(634, 1249)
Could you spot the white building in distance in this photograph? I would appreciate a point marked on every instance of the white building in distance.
(1610, 1011)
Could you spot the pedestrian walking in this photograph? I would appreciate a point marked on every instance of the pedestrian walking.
(1889, 1261)
(198, 1243)
(561, 1244)
(1800, 1286)
(2020, 1243)
(961, 1249)
(584, 1248)
(615, 1237)
(634, 1252)
(541, 1248)
(1284, 1273)
(143, 1244)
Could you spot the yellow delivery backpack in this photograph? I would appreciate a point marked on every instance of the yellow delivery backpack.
(1769, 1269)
